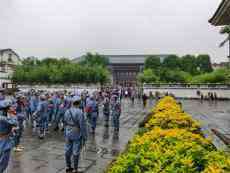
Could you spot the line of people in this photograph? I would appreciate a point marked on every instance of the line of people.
(74, 113)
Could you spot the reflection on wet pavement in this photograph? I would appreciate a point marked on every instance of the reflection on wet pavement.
(47, 156)
(212, 115)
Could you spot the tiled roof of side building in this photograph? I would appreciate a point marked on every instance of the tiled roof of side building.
(222, 14)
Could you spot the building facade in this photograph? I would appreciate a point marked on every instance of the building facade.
(216, 66)
(125, 68)
(9, 59)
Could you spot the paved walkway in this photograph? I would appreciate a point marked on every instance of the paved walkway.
(47, 156)
(212, 115)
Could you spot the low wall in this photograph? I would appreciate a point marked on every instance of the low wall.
(190, 93)
(71, 88)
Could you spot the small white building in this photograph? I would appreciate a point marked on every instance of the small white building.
(9, 59)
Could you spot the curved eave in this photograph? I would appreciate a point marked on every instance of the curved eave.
(222, 15)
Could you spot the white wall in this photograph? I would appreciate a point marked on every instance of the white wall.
(191, 93)
(72, 88)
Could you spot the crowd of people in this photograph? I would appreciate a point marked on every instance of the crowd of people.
(74, 113)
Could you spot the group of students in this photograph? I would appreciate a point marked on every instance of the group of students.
(75, 113)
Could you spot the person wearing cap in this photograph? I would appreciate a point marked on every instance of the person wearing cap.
(7, 125)
(21, 116)
(115, 112)
(75, 134)
(62, 107)
(56, 102)
(92, 105)
(33, 104)
(50, 111)
(106, 110)
(41, 115)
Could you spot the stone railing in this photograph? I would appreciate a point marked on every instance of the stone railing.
(186, 86)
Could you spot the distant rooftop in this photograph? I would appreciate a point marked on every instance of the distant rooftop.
(127, 59)
(8, 49)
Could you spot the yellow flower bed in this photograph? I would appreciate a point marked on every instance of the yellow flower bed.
(171, 145)
(168, 114)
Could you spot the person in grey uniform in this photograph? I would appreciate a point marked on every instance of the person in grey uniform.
(7, 124)
(106, 110)
(116, 112)
(75, 134)
(41, 115)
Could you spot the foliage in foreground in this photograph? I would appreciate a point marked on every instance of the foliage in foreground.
(175, 148)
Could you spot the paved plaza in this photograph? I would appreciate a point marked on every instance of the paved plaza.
(47, 156)
(212, 115)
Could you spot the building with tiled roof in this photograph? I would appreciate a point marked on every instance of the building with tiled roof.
(124, 68)
(9, 59)
(222, 14)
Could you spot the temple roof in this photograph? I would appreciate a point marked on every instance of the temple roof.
(222, 14)
(127, 59)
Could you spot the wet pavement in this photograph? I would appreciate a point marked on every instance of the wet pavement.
(47, 156)
(212, 115)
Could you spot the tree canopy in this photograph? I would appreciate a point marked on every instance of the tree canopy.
(153, 62)
(59, 71)
(94, 60)
(175, 69)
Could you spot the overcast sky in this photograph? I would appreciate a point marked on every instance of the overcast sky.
(69, 28)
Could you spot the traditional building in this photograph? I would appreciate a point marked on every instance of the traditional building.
(8, 61)
(216, 66)
(222, 15)
(124, 68)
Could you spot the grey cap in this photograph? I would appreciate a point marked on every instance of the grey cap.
(76, 98)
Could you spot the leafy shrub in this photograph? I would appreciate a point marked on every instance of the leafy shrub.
(172, 147)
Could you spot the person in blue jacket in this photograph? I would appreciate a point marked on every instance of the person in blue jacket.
(7, 125)
(106, 110)
(41, 116)
(62, 105)
(75, 134)
(93, 109)
(33, 104)
(21, 116)
(116, 112)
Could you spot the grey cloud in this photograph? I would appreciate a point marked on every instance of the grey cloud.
(70, 28)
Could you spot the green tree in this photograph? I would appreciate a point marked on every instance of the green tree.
(91, 59)
(204, 63)
(153, 62)
(172, 62)
(147, 76)
(30, 61)
(174, 76)
(217, 76)
(189, 64)
(59, 71)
